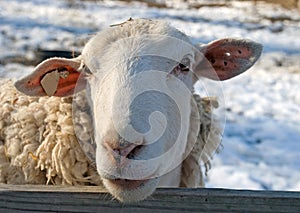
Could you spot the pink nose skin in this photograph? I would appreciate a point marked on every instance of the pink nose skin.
(120, 150)
(126, 150)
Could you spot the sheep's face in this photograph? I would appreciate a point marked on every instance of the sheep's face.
(141, 106)
(139, 77)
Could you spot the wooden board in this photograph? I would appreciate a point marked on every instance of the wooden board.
(35, 198)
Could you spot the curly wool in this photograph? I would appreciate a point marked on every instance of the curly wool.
(204, 137)
(38, 144)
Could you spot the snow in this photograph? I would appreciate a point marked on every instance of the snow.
(261, 143)
(262, 132)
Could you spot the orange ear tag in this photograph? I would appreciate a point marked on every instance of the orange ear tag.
(50, 82)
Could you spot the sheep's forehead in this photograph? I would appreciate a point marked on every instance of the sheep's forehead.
(135, 38)
(138, 28)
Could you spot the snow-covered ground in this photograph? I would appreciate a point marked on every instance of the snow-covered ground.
(262, 134)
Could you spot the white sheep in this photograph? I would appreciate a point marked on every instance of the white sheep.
(141, 127)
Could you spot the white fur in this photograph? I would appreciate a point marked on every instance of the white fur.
(116, 83)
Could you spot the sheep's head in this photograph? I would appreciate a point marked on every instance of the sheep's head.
(139, 79)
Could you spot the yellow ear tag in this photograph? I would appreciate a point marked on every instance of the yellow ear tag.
(50, 82)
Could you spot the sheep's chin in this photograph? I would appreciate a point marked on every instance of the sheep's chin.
(128, 191)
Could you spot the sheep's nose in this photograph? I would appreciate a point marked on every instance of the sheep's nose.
(120, 148)
(125, 151)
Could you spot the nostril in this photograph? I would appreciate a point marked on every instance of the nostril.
(120, 149)
(127, 151)
(134, 152)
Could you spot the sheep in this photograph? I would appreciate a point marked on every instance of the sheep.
(40, 123)
(128, 99)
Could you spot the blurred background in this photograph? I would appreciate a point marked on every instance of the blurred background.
(261, 143)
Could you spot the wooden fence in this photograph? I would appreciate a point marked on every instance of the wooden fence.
(34, 198)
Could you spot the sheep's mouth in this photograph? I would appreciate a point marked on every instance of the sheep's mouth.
(127, 184)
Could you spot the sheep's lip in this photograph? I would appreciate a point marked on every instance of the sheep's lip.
(127, 184)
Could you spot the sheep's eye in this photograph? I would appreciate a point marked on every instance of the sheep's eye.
(184, 65)
(184, 68)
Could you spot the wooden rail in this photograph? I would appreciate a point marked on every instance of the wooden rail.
(34, 198)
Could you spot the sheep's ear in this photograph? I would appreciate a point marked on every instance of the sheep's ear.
(52, 77)
(226, 58)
